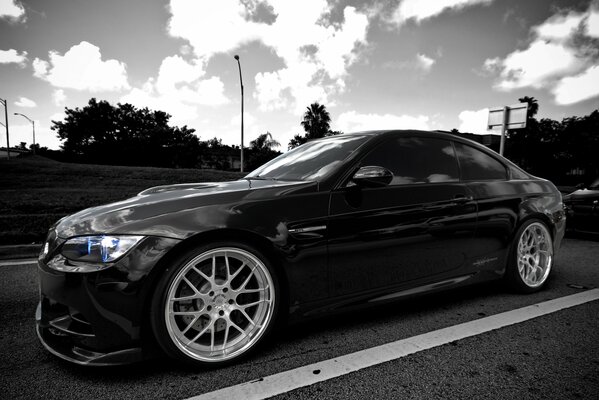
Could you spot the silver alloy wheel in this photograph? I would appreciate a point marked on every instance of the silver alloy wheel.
(219, 304)
(535, 254)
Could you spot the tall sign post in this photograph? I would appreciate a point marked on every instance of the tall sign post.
(508, 117)
(4, 103)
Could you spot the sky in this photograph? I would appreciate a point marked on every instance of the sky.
(378, 64)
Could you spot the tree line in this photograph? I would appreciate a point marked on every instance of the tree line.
(563, 151)
(101, 133)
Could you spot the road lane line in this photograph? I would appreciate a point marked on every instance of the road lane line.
(8, 263)
(321, 371)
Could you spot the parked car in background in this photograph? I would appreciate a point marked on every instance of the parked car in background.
(204, 271)
(582, 208)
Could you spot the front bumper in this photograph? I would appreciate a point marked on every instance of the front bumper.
(97, 318)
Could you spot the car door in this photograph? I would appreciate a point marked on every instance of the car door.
(415, 229)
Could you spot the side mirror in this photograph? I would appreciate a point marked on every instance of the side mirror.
(372, 176)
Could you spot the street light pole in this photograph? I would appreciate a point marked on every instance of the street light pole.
(241, 82)
(33, 125)
(5, 104)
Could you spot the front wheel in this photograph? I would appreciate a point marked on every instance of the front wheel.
(531, 258)
(215, 304)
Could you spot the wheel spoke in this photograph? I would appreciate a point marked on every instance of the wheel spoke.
(191, 285)
(254, 290)
(245, 314)
(199, 335)
(255, 303)
(213, 268)
(247, 280)
(195, 319)
(226, 335)
(203, 275)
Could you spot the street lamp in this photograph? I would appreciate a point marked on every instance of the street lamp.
(241, 82)
(3, 102)
(33, 125)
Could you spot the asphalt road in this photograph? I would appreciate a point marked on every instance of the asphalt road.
(555, 356)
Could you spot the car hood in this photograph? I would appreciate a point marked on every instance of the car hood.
(582, 194)
(151, 211)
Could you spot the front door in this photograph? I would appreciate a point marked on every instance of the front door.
(417, 228)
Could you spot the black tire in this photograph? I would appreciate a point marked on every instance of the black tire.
(531, 257)
(215, 304)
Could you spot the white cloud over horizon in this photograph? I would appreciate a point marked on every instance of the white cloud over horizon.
(316, 52)
(12, 10)
(59, 98)
(419, 10)
(82, 68)
(474, 121)
(179, 88)
(561, 56)
(12, 56)
(352, 121)
(25, 103)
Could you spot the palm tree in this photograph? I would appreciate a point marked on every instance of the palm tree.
(533, 105)
(317, 121)
(264, 142)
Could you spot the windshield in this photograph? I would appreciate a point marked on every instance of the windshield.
(311, 161)
(594, 185)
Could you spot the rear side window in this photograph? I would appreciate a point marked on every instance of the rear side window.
(416, 160)
(478, 166)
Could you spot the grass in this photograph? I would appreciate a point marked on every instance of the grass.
(36, 191)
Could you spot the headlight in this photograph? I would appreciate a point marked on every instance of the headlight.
(98, 249)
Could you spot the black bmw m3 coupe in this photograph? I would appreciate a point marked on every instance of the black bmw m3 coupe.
(204, 271)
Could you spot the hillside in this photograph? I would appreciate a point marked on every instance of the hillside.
(36, 191)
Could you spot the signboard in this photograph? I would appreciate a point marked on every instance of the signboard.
(515, 118)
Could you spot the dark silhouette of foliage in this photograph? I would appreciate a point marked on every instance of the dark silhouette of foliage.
(261, 150)
(125, 135)
(533, 105)
(564, 152)
(316, 123)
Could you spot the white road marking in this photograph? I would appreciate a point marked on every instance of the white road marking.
(321, 371)
(8, 263)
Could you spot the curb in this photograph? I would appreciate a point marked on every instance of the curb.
(20, 251)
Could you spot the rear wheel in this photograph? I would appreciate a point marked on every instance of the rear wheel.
(215, 304)
(531, 257)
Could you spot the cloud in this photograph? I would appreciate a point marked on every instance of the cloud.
(82, 68)
(474, 121)
(12, 10)
(179, 89)
(12, 56)
(58, 97)
(352, 121)
(316, 50)
(535, 66)
(570, 90)
(25, 102)
(592, 27)
(561, 56)
(420, 62)
(419, 10)
(425, 62)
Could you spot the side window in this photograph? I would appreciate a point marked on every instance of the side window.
(416, 160)
(478, 166)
